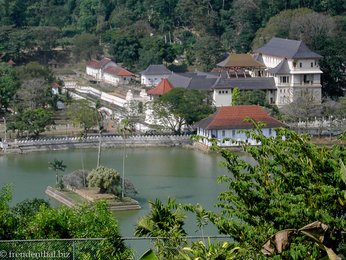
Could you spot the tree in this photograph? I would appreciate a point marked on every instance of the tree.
(86, 46)
(106, 179)
(8, 85)
(57, 165)
(34, 121)
(181, 107)
(207, 52)
(82, 113)
(235, 96)
(164, 221)
(76, 179)
(293, 183)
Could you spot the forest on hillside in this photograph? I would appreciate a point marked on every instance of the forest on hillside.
(197, 33)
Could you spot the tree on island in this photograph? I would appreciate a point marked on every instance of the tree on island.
(106, 179)
(57, 165)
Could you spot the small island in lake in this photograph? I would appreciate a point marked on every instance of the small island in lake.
(102, 183)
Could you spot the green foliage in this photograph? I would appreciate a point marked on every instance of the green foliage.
(58, 165)
(8, 85)
(180, 107)
(165, 221)
(235, 96)
(211, 251)
(82, 113)
(293, 183)
(34, 121)
(34, 219)
(106, 179)
(86, 46)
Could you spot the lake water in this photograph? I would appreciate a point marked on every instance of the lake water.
(187, 175)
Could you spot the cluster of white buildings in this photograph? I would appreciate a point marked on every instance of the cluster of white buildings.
(284, 69)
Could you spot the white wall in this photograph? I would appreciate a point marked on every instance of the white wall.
(222, 97)
(234, 134)
(152, 80)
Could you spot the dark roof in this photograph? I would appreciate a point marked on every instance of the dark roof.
(156, 69)
(287, 48)
(118, 71)
(240, 61)
(178, 80)
(163, 87)
(256, 83)
(281, 68)
(232, 117)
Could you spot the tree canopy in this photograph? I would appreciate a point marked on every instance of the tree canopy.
(181, 107)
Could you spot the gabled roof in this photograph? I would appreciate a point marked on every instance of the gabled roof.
(118, 71)
(11, 62)
(232, 117)
(156, 69)
(55, 85)
(240, 61)
(96, 64)
(287, 48)
(281, 68)
(163, 87)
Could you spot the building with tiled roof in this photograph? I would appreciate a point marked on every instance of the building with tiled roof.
(228, 121)
(221, 87)
(94, 68)
(162, 88)
(153, 74)
(116, 75)
(294, 67)
(241, 64)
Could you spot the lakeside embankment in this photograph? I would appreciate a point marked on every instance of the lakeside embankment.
(109, 141)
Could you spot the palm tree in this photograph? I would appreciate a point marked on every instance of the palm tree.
(164, 222)
(57, 165)
(124, 128)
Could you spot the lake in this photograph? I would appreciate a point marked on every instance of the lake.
(187, 175)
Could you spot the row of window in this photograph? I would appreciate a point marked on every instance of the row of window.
(223, 91)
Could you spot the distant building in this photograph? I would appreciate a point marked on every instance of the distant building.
(295, 69)
(220, 86)
(108, 71)
(116, 75)
(153, 74)
(162, 88)
(55, 88)
(94, 68)
(228, 120)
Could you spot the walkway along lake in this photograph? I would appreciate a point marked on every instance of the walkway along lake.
(187, 175)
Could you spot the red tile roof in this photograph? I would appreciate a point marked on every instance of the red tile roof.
(11, 62)
(55, 85)
(118, 71)
(232, 117)
(96, 64)
(163, 87)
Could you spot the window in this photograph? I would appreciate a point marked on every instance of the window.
(219, 91)
(312, 64)
(284, 79)
(223, 133)
(300, 65)
(270, 131)
(233, 132)
(226, 91)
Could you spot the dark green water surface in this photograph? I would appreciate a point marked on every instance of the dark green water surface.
(187, 175)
